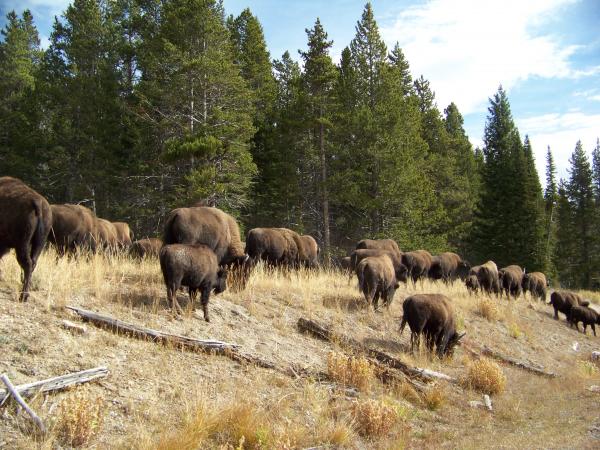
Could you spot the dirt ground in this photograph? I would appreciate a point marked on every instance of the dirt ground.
(154, 394)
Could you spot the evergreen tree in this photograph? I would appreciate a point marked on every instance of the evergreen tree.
(550, 200)
(398, 60)
(564, 251)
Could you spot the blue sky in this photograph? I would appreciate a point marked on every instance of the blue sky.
(545, 53)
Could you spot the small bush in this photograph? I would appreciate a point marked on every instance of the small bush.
(488, 310)
(514, 331)
(80, 418)
(354, 371)
(373, 418)
(485, 376)
(434, 398)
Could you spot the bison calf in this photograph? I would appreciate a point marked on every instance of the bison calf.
(433, 316)
(563, 301)
(585, 315)
(194, 266)
(145, 248)
(378, 278)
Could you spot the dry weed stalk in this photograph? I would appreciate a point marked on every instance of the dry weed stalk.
(374, 418)
(80, 417)
(435, 397)
(485, 376)
(488, 309)
(354, 371)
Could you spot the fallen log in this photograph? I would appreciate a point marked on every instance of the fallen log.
(56, 383)
(15, 394)
(309, 326)
(207, 346)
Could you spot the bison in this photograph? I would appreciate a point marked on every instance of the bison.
(346, 265)
(309, 252)
(358, 255)
(448, 267)
(487, 277)
(472, 284)
(586, 315)
(276, 246)
(536, 283)
(510, 279)
(106, 235)
(379, 244)
(145, 248)
(212, 227)
(25, 222)
(124, 235)
(194, 266)
(73, 228)
(378, 278)
(563, 301)
(433, 316)
(417, 263)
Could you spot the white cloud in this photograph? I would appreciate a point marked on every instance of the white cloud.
(54, 7)
(466, 48)
(595, 98)
(561, 132)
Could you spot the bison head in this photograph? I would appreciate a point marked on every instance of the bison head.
(463, 269)
(221, 281)
(453, 341)
(402, 273)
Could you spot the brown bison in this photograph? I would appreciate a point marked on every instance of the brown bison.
(417, 263)
(346, 265)
(563, 301)
(25, 222)
(585, 315)
(358, 255)
(106, 235)
(73, 228)
(276, 246)
(510, 279)
(145, 248)
(472, 284)
(378, 278)
(536, 283)
(124, 235)
(433, 316)
(379, 244)
(448, 267)
(194, 266)
(487, 277)
(309, 251)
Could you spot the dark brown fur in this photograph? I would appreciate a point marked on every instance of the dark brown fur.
(194, 266)
(25, 221)
(536, 283)
(417, 263)
(563, 301)
(377, 278)
(309, 253)
(124, 234)
(358, 255)
(73, 228)
(487, 277)
(472, 284)
(511, 279)
(145, 248)
(276, 246)
(585, 315)
(448, 267)
(106, 235)
(380, 244)
(433, 316)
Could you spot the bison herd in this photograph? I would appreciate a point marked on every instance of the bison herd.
(202, 246)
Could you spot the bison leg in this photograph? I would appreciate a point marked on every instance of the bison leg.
(555, 313)
(593, 328)
(204, 298)
(172, 289)
(24, 260)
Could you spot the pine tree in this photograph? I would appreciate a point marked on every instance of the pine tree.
(564, 252)
(398, 60)
(550, 200)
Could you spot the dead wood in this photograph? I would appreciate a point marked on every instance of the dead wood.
(15, 394)
(57, 383)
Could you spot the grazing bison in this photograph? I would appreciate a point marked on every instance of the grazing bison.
(73, 228)
(536, 283)
(25, 222)
(510, 279)
(308, 254)
(585, 315)
(378, 278)
(194, 266)
(487, 277)
(472, 284)
(417, 263)
(563, 301)
(380, 244)
(106, 235)
(276, 246)
(346, 265)
(124, 234)
(145, 248)
(433, 316)
(448, 267)
(358, 255)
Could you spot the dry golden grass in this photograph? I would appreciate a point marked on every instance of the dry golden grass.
(435, 397)
(79, 418)
(488, 309)
(374, 418)
(514, 330)
(486, 376)
(355, 371)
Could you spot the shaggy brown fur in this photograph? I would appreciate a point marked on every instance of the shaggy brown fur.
(448, 267)
(309, 253)
(510, 279)
(418, 264)
(380, 244)
(145, 248)
(346, 265)
(358, 255)
(124, 234)
(25, 222)
(433, 316)
(563, 301)
(585, 315)
(73, 228)
(536, 283)
(276, 246)
(377, 278)
(487, 277)
(472, 284)
(106, 235)
(194, 266)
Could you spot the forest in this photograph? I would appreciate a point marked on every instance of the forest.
(140, 106)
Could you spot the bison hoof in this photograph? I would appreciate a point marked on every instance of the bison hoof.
(207, 319)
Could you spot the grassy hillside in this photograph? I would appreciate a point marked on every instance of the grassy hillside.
(161, 397)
